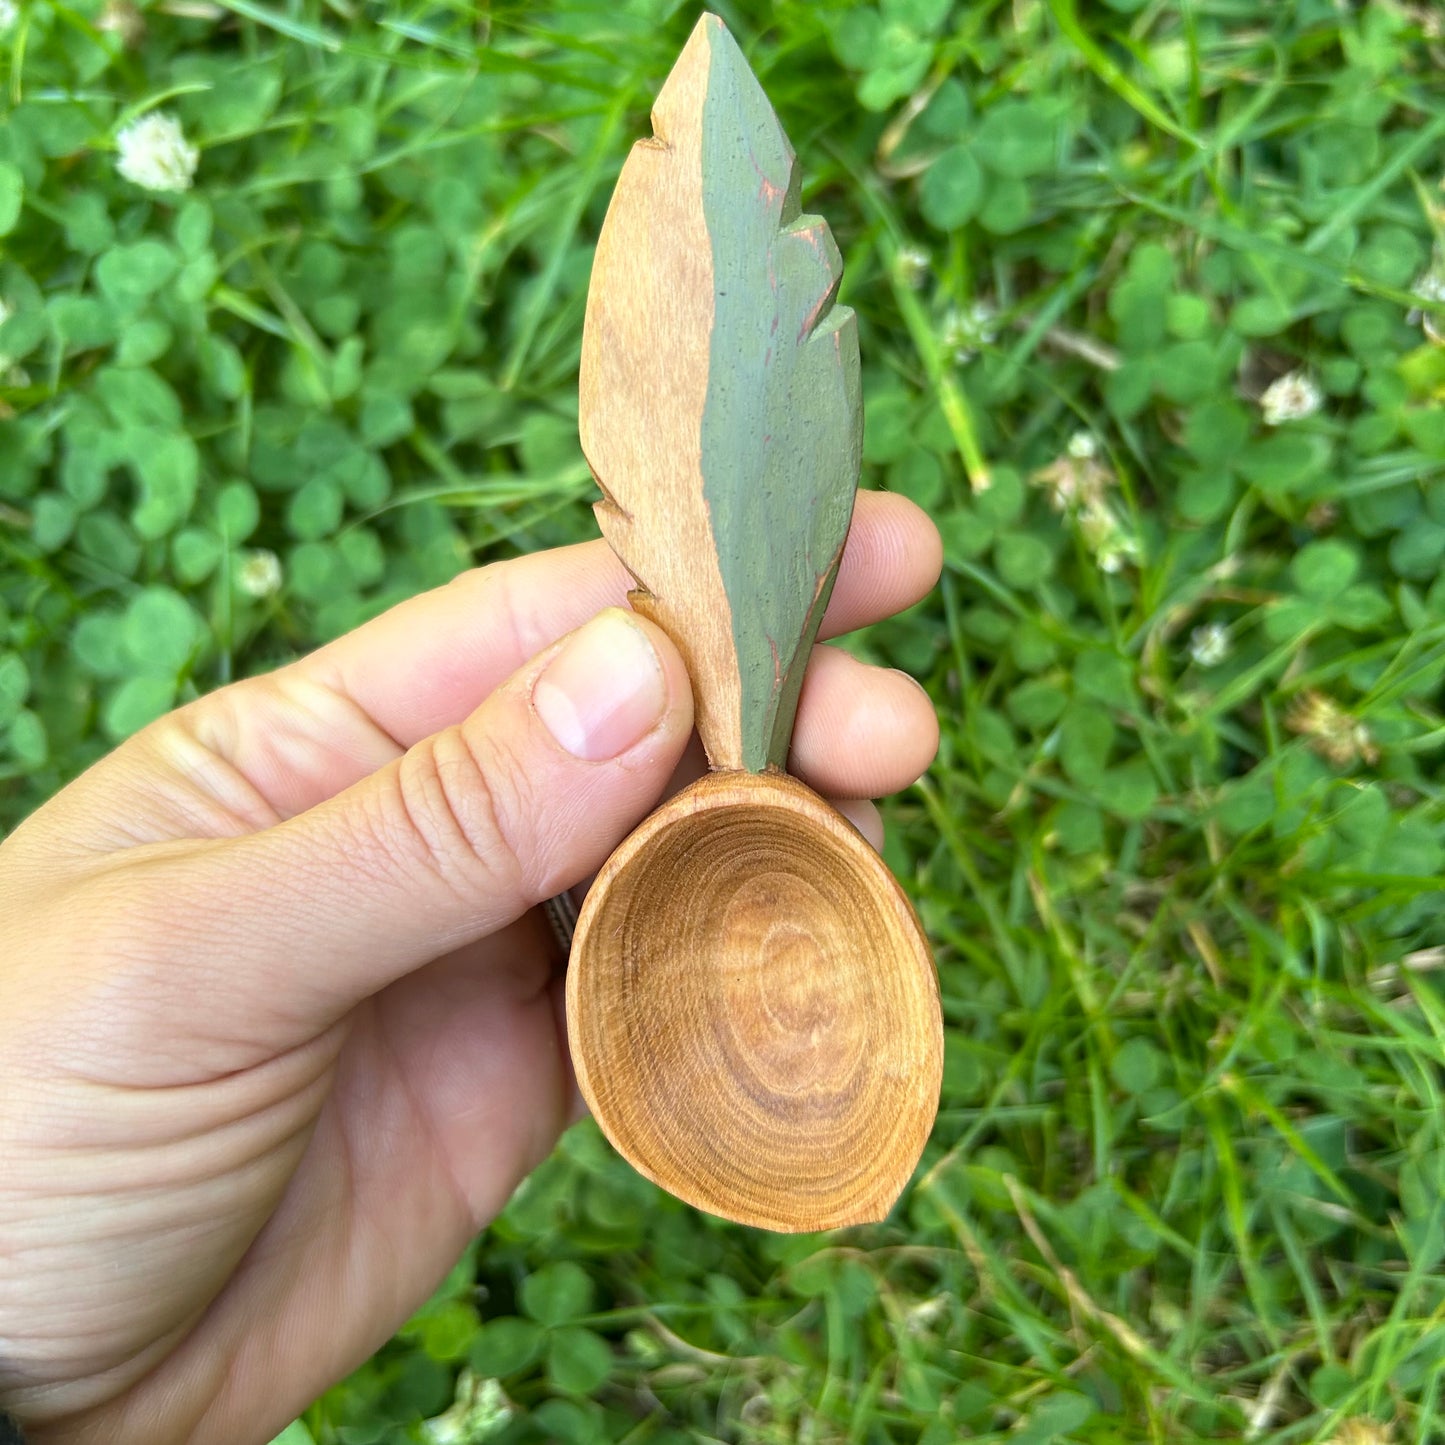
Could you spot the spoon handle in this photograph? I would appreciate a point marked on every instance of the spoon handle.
(720, 406)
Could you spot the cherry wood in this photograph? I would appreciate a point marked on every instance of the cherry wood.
(752, 1007)
(755, 1010)
(720, 406)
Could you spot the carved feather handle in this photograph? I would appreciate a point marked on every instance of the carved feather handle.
(752, 1009)
(720, 408)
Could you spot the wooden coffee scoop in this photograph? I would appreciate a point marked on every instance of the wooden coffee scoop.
(752, 1006)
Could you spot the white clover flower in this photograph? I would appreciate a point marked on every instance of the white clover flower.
(1077, 478)
(966, 331)
(1063, 480)
(918, 1318)
(1209, 644)
(260, 574)
(913, 265)
(1291, 397)
(1331, 731)
(9, 13)
(121, 19)
(1114, 546)
(480, 1410)
(1119, 552)
(1429, 286)
(155, 154)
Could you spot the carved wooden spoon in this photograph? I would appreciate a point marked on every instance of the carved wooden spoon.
(752, 1006)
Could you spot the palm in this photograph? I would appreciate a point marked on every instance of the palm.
(426, 1105)
(449, 1087)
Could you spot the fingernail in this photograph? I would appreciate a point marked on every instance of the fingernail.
(604, 691)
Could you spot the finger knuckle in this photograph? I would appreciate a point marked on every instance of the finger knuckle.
(456, 807)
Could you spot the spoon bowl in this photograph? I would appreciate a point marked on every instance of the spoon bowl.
(753, 1009)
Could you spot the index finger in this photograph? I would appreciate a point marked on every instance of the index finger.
(268, 747)
(430, 661)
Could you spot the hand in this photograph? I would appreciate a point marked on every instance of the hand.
(280, 1031)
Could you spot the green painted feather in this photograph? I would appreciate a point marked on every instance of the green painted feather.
(782, 429)
(776, 448)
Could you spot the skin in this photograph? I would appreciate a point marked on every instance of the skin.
(282, 1029)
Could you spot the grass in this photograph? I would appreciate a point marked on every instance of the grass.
(1180, 852)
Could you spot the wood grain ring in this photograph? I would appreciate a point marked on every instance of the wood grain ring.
(753, 1010)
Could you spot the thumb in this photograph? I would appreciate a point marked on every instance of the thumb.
(458, 837)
